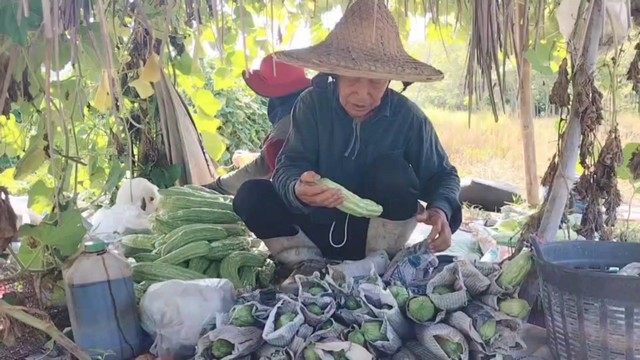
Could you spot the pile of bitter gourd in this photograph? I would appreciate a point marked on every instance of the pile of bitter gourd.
(197, 235)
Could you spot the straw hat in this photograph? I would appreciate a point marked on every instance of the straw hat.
(275, 78)
(364, 43)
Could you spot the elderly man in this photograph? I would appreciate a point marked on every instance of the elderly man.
(351, 128)
(282, 84)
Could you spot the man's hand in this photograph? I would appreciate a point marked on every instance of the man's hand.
(313, 194)
(440, 237)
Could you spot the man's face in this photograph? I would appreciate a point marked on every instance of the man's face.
(360, 96)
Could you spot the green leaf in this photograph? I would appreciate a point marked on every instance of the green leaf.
(540, 58)
(18, 32)
(62, 231)
(623, 170)
(214, 144)
(206, 102)
(40, 196)
(116, 174)
(31, 252)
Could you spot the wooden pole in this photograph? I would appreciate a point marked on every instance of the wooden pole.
(563, 180)
(526, 108)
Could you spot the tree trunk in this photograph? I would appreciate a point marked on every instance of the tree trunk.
(563, 181)
(526, 109)
(528, 136)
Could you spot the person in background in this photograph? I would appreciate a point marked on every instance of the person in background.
(282, 84)
(352, 128)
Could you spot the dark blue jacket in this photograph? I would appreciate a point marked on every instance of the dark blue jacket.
(279, 107)
(325, 139)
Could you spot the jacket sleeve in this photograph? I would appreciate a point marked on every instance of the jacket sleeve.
(299, 152)
(439, 180)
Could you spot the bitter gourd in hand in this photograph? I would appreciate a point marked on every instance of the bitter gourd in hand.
(353, 204)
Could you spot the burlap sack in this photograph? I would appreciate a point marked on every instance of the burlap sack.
(282, 337)
(260, 313)
(427, 337)
(384, 305)
(270, 352)
(327, 304)
(451, 277)
(307, 282)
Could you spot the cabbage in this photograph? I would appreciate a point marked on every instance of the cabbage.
(401, 294)
(454, 350)
(316, 290)
(356, 337)
(315, 309)
(483, 320)
(488, 330)
(221, 348)
(310, 353)
(421, 309)
(351, 303)
(243, 316)
(340, 355)
(327, 325)
(441, 290)
(284, 319)
(516, 308)
(372, 331)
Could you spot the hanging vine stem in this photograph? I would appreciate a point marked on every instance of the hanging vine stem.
(115, 92)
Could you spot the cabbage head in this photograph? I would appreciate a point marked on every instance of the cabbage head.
(243, 316)
(454, 350)
(284, 319)
(356, 337)
(401, 294)
(315, 309)
(372, 331)
(221, 348)
(421, 309)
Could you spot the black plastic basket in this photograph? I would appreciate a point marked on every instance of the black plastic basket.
(590, 312)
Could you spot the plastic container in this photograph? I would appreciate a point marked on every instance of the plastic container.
(590, 311)
(102, 304)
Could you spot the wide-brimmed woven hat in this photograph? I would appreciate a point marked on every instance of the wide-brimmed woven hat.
(364, 43)
(276, 78)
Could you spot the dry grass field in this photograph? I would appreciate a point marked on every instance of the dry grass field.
(493, 150)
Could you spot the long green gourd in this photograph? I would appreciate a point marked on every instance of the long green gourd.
(353, 204)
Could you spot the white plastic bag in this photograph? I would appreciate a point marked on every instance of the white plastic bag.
(174, 312)
(109, 225)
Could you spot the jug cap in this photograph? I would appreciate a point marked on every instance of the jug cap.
(95, 246)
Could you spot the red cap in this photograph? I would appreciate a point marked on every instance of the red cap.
(276, 79)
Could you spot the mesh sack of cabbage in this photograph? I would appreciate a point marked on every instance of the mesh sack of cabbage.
(244, 315)
(316, 309)
(440, 341)
(490, 332)
(377, 335)
(229, 342)
(384, 306)
(283, 323)
(451, 288)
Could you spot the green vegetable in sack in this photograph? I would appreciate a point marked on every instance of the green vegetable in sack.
(483, 320)
(352, 303)
(340, 355)
(221, 348)
(401, 294)
(310, 353)
(516, 308)
(454, 350)
(315, 309)
(327, 325)
(243, 316)
(356, 337)
(421, 309)
(316, 290)
(372, 331)
(284, 319)
(515, 271)
(488, 330)
(441, 290)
